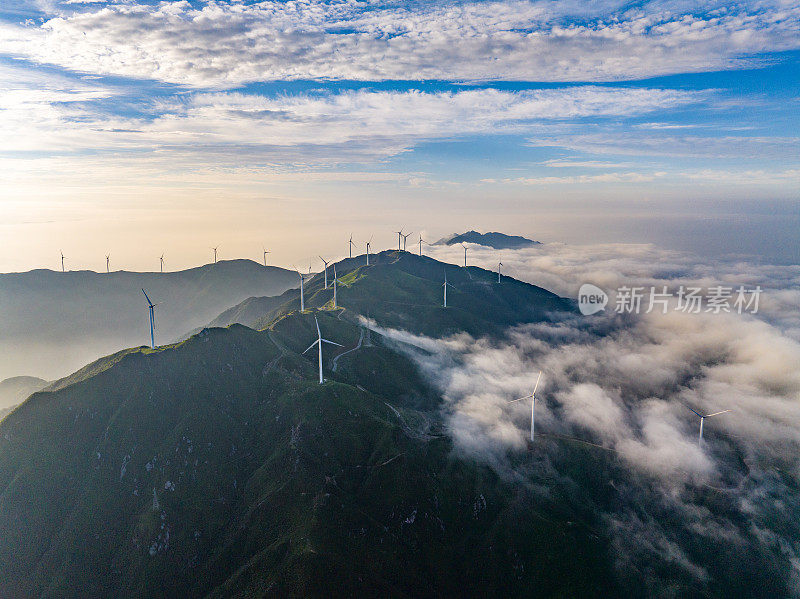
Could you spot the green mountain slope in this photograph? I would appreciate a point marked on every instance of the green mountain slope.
(403, 290)
(55, 322)
(219, 467)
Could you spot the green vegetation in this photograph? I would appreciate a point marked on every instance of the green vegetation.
(218, 467)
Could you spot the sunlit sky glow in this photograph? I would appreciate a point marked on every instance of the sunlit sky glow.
(141, 127)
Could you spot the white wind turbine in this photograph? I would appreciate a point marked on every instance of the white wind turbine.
(351, 244)
(266, 251)
(702, 420)
(399, 235)
(532, 396)
(319, 343)
(325, 262)
(444, 286)
(302, 291)
(465, 255)
(420, 244)
(161, 259)
(405, 238)
(215, 254)
(62, 261)
(368, 246)
(108, 258)
(499, 266)
(334, 287)
(151, 308)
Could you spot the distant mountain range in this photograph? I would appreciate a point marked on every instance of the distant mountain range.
(54, 322)
(15, 389)
(498, 241)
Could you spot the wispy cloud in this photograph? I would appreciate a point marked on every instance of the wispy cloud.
(223, 44)
(626, 384)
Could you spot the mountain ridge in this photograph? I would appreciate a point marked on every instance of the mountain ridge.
(59, 321)
(498, 241)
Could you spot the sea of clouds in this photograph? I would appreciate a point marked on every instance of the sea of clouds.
(625, 383)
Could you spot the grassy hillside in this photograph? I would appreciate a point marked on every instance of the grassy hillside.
(219, 467)
(403, 290)
(56, 322)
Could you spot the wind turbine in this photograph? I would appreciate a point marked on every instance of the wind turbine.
(444, 285)
(499, 266)
(351, 244)
(302, 296)
(151, 307)
(465, 255)
(533, 402)
(334, 287)
(319, 343)
(161, 260)
(266, 251)
(405, 237)
(420, 244)
(215, 254)
(62, 261)
(325, 262)
(702, 420)
(399, 235)
(108, 258)
(368, 246)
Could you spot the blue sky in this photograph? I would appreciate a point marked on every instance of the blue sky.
(503, 109)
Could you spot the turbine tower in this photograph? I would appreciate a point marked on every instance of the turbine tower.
(319, 343)
(161, 260)
(405, 237)
(368, 246)
(702, 420)
(399, 235)
(62, 261)
(108, 258)
(215, 254)
(302, 295)
(351, 244)
(444, 285)
(151, 307)
(420, 244)
(334, 287)
(499, 266)
(465, 255)
(266, 251)
(532, 396)
(325, 262)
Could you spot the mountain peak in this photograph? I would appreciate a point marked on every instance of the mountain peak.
(498, 241)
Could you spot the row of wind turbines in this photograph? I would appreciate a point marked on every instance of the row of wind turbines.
(401, 246)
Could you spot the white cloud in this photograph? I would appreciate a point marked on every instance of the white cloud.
(223, 44)
(58, 118)
(626, 384)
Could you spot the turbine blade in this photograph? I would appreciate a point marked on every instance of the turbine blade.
(319, 335)
(717, 413)
(312, 345)
(148, 299)
(520, 398)
(696, 412)
(536, 386)
(333, 343)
